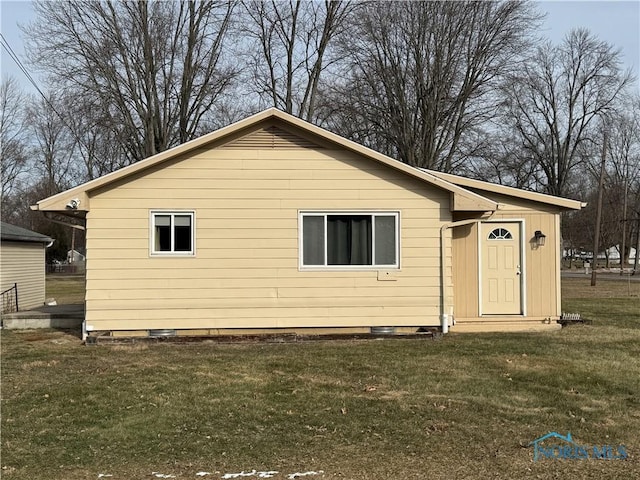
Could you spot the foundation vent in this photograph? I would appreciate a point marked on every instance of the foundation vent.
(164, 332)
(383, 330)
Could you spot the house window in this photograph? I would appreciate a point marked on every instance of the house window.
(349, 240)
(500, 234)
(172, 233)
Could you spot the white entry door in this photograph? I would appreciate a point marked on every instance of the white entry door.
(501, 272)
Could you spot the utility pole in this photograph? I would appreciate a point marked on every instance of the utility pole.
(623, 247)
(596, 237)
(637, 258)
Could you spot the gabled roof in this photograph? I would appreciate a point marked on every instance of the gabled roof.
(462, 199)
(510, 191)
(13, 233)
(465, 193)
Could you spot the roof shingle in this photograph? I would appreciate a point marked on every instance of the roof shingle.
(18, 234)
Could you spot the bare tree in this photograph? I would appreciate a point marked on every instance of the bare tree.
(624, 156)
(53, 152)
(553, 102)
(154, 68)
(421, 76)
(13, 138)
(290, 49)
(501, 159)
(98, 149)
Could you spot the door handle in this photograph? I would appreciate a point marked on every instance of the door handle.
(518, 272)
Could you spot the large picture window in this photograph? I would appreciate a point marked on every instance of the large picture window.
(172, 233)
(349, 239)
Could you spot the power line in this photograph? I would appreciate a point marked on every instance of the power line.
(24, 70)
(20, 65)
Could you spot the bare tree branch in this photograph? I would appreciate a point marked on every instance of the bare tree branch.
(421, 74)
(154, 68)
(13, 137)
(290, 44)
(553, 102)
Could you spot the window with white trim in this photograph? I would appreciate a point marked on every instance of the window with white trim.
(353, 239)
(172, 233)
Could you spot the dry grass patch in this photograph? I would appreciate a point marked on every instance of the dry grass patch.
(463, 407)
(609, 286)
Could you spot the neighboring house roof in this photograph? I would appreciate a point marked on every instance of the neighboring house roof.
(12, 233)
(463, 199)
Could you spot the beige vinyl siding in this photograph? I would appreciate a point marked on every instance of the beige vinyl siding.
(465, 271)
(245, 273)
(541, 264)
(24, 263)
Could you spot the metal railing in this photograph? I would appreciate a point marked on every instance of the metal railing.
(10, 299)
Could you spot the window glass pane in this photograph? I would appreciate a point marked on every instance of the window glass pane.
(500, 234)
(313, 240)
(183, 220)
(172, 232)
(182, 231)
(162, 220)
(349, 240)
(162, 238)
(385, 240)
(183, 239)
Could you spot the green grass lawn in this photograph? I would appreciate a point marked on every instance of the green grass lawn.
(465, 406)
(64, 288)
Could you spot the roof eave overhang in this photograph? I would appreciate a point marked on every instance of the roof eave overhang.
(560, 202)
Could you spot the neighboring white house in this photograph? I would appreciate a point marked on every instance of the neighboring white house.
(74, 256)
(614, 253)
(22, 259)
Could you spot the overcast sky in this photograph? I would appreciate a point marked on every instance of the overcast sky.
(617, 22)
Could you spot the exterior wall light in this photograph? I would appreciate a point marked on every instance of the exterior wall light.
(73, 204)
(540, 237)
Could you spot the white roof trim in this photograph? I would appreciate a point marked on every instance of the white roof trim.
(510, 191)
